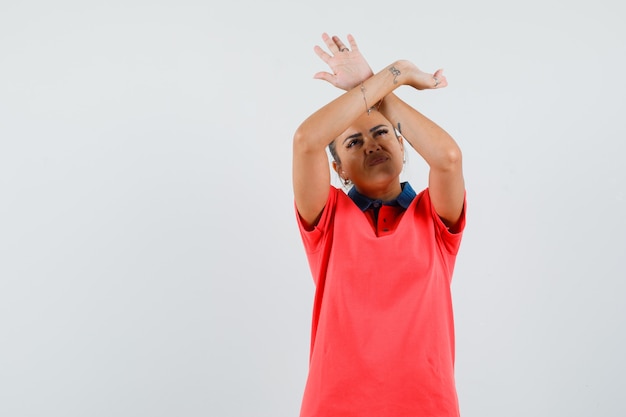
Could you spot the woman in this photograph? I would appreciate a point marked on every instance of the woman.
(381, 255)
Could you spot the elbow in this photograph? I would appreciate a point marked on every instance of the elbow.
(451, 159)
(299, 137)
(300, 143)
(304, 142)
(455, 156)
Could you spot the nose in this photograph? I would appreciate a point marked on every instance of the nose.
(371, 145)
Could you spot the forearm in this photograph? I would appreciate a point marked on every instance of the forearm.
(433, 143)
(323, 126)
(439, 150)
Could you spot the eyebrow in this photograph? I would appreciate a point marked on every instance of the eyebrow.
(358, 135)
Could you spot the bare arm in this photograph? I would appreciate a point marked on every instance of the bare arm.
(436, 146)
(311, 176)
(439, 150)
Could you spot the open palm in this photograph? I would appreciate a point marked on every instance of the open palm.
(349, 67)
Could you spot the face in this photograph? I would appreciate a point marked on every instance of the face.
(371, 156)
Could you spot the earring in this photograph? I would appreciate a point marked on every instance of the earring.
(345, 180)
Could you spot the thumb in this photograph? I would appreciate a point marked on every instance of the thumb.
(326, 76)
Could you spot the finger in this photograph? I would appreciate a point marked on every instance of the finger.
(322, 54)
(326, 76)
(330, 43)
(441, 83)
(353, 44)
(440, 79)
(340, 44)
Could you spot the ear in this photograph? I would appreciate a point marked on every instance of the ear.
(339, 171)
(336, 167)
(401, 141)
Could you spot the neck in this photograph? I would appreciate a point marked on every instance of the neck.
(387, 194)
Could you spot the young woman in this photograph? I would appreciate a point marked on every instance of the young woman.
(381, 255)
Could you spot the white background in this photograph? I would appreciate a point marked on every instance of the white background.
(150, 263)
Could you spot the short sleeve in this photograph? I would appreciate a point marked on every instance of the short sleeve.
(313, 238)
(450, 240)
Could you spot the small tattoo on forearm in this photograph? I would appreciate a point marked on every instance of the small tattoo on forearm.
(395, 71)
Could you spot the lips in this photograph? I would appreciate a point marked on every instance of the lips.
(377, 158)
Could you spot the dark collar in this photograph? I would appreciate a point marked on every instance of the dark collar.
(403, 200)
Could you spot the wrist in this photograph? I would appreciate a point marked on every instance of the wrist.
(364, 78)
(409, 74)
(396, 73)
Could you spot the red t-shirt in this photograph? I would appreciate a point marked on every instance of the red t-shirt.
(382, 340)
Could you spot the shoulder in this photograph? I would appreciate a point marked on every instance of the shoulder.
(334, 195)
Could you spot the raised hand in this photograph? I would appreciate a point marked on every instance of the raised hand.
(421, 80)
(349, 68)
(428, 81)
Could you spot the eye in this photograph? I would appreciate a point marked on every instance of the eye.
(352, 143)
(381, 132)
